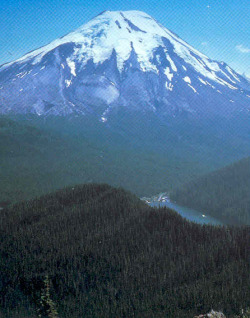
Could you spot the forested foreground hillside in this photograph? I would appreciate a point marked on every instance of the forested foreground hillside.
(224, 193)
(97, 251)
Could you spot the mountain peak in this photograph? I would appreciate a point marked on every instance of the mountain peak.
(134, 12)
(116, 46)
(116, 30)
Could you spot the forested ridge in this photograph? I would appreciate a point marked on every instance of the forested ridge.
(40, 155)
(225, 193)
(102, 252)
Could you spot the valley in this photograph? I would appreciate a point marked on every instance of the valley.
(162, 200)
(145, 156)
(223, 193)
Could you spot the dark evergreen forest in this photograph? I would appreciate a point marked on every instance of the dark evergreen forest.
(225, 193)
(97, 251)
(143, 155)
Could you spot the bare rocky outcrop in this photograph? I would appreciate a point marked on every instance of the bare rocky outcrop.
(212, 314)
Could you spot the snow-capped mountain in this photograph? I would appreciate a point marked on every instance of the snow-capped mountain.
(121, 59)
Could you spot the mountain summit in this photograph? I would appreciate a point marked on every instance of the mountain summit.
(121, 59)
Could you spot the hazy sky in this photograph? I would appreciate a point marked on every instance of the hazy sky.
(218, 28)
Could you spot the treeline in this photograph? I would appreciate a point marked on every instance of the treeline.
(224, 193)
(98, 251)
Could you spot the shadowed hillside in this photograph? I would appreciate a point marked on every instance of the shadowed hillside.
(223, 193)
(104, 253)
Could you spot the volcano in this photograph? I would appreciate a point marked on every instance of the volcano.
(122, 60)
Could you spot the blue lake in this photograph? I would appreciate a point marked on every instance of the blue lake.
(190, 214)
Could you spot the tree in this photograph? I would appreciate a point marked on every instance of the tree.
(47, 306)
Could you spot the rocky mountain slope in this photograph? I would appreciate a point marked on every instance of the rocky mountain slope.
(121, 60)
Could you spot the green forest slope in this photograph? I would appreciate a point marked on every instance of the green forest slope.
(143, 153)
(224, 194)
(38, 158)
(101, 252)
